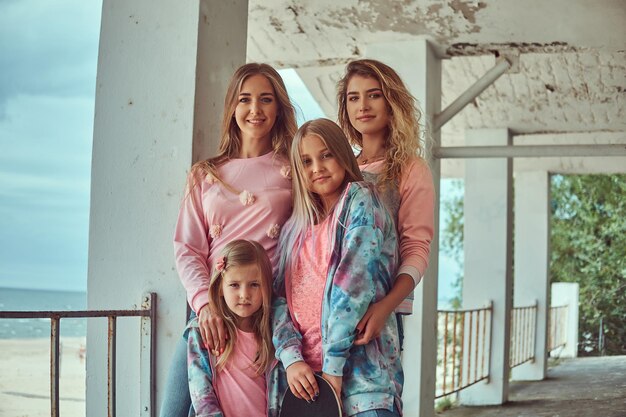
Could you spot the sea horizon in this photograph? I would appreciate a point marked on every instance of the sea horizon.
(28, 299)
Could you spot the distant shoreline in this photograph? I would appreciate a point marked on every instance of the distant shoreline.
(26, 299)
(42, 289)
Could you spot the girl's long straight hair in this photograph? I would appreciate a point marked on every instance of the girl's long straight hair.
(307, 206)
(243, 253)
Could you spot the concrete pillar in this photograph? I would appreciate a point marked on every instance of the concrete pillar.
(566, 293)
(420, 68)
(488, 256)
(532, 259)
(162, 73)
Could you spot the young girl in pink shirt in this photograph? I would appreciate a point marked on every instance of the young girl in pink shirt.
(237, 382)
(381, 120)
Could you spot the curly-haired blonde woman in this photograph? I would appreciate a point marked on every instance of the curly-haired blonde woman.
(381, 120)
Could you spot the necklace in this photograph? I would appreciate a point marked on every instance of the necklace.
(365, 160)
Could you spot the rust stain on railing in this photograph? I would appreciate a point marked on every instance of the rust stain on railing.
(558, 323)
(148, 311)
(111, 365)
(465, 347)
(523, 335)
(54, 366)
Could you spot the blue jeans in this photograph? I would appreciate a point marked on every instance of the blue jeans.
(379, 412)
(176, 398)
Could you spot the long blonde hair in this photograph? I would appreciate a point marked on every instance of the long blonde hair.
(307, 206)
(403, 140)
(230, 144)
(242, 253)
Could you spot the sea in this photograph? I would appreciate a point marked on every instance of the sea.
(16, 299)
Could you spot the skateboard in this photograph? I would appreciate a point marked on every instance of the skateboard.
(326, 405)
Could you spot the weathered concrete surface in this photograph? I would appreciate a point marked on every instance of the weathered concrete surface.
(582, 387)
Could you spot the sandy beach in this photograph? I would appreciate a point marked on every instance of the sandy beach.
(25, 377)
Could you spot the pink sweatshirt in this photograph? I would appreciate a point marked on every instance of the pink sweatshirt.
(211, 216)
(241, 392)
(412, 207)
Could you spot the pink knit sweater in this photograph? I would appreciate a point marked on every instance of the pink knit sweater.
(211, 216)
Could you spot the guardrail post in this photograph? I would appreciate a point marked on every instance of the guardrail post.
(55, 335)
(147, 366)
(111, 366)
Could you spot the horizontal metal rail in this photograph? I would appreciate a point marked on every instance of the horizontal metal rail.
(148, 312)
(72, 314)
(464, 349)
(523, 335)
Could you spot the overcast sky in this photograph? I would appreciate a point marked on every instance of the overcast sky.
(48, 59)
(48, 56)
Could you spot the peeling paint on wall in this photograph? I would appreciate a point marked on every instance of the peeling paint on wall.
(467, 8)
(473, 49)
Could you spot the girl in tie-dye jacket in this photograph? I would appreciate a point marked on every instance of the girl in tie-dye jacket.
(341, 231)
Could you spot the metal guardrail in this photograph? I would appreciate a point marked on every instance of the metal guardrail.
(523, 335)
(464, 350)
(148, 327)
(557, 336)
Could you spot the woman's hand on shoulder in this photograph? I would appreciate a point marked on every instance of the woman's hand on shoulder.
(213, 330)
(302, 382)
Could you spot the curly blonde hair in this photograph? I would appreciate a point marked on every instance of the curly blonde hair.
(282, 132)
(403, 139)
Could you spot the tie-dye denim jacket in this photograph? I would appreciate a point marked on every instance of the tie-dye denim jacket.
(201, 371)
(361, 271)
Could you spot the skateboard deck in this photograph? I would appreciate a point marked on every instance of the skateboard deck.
(326, 405)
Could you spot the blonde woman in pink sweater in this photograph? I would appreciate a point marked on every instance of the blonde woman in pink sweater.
(244, 192)
(381, 120)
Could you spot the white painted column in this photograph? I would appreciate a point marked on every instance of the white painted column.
(420, 68)
(488, 256)
(566, 293)
(532, 259)
(162, 72)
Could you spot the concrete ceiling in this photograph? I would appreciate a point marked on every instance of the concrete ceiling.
(570, 78)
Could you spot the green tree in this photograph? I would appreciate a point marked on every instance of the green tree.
(588, 247)
(451, 240)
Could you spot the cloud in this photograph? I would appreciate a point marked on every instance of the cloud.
(48, 56)
(48, 48)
